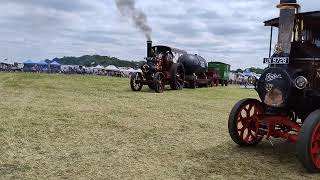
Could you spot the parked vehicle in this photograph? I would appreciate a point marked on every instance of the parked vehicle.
(222, 70)
(289, 90)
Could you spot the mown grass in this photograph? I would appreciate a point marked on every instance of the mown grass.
(87, 127)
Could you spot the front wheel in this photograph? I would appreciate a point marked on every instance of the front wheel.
(308, 145)
(244, 122)
(136, 81)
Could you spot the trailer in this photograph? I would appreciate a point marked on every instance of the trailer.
(222, 70)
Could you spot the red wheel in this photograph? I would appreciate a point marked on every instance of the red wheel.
(315, 146)
(244, 122)
(308, 145)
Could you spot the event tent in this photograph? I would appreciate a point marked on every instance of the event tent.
(42, 63)
(6, 62)
(55, 64)
(29, 62)
(98, 67)
(112, 68)
(247, 73)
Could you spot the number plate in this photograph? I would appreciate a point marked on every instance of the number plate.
(276, 60)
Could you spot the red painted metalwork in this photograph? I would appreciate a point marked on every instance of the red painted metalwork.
(272, 121)
(315, 146)
(248, 122)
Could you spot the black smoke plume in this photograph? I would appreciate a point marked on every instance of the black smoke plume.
(127, 8)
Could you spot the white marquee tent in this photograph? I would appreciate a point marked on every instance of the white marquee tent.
(112, 68)
(99, 67)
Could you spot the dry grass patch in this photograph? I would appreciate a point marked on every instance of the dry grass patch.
(87, 127)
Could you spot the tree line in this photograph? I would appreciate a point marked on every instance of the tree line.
(94, 60)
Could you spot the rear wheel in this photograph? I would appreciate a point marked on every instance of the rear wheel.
(308, 145)
(136, 81)
(244, 120)
(159, 82)
(177, 76)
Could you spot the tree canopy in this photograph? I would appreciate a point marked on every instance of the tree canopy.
(252, 69)
(94, 60)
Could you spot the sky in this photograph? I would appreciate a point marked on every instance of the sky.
(230, 31)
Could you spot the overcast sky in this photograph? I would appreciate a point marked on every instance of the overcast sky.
(230, 31)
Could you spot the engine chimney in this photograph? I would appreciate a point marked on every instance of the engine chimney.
(288, 9)
(149, 49)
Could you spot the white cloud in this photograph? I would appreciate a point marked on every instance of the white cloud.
(230, 31)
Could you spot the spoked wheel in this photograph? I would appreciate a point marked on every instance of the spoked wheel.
(244, 120)
(308, 145)
(159, 82)
(177, 76)
(136, 81)
(291, 116)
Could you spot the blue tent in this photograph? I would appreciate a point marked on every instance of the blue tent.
(247, 72)
(55, 64)
(28, 65)
(29, 62)
(42, 63)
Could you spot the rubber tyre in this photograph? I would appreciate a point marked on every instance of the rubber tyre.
(233, 120)
(133, 85)
(177, 73)
(304, 143)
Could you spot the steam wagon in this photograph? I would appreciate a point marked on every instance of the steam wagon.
(289, 90)
(222, 70)
(159, 70)
(196, 71)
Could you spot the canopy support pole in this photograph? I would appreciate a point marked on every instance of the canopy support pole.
(270, 47)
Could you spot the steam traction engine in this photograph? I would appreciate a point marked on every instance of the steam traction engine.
(159, 70)
(289, 89)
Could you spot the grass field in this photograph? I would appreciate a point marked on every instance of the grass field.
(87, 127)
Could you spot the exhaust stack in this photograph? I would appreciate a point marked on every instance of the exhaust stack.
(149, 49)
(288, 9)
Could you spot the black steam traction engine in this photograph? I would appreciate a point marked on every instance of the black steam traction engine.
(160, 69)
(289, 89)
